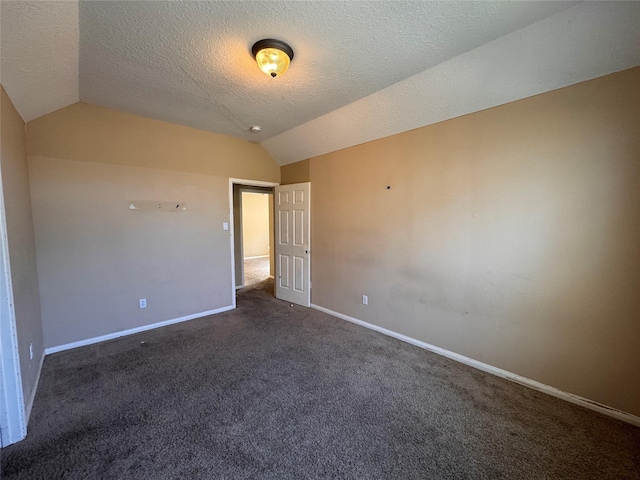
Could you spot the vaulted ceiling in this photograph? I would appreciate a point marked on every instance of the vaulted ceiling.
(362, 69)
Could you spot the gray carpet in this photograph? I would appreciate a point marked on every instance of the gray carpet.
(274, 391)
(256, 270)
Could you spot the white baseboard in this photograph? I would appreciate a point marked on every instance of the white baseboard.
(32, 397)
(257, 256)
(131, 331)
(527, 382)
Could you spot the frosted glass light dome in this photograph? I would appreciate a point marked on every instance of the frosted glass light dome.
(273, 56)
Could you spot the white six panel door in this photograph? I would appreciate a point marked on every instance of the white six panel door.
(293, 243)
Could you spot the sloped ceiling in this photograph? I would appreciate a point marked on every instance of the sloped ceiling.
(362, 70)
(39, 55)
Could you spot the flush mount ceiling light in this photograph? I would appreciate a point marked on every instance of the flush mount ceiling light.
(273, 56)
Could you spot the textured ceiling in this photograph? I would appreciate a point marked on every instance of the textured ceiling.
(190, 62)
(39, 55)
(362, 70)
(584, 42)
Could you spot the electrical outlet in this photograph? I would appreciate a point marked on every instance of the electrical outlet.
(365, 300)
(143, 303)
(31, 351)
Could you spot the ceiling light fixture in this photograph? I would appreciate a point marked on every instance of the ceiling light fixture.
(273, 56)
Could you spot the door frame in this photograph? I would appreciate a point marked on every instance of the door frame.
(248, 183)
(239, 198)
(13, 423)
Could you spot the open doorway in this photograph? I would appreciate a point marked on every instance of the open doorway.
(289, 214)
(257, 221)
(253, 232)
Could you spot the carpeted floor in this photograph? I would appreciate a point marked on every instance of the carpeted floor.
(256, 270)
(274, 391)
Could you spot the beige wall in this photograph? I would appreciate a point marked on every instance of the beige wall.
(255, 224)
(96, 257)
(297, 172)
(94, 134)
(511, 236)
(20, 236)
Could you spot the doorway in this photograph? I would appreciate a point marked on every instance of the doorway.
(256, 233)
(255, 195)
(289, 215)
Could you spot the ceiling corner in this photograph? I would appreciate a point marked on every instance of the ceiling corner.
(39, 55)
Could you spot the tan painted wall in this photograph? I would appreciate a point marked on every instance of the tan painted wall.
(20, 236)
(88, 133)
(297, 172)
(255, 224)
(96, 257)
(511, 236)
